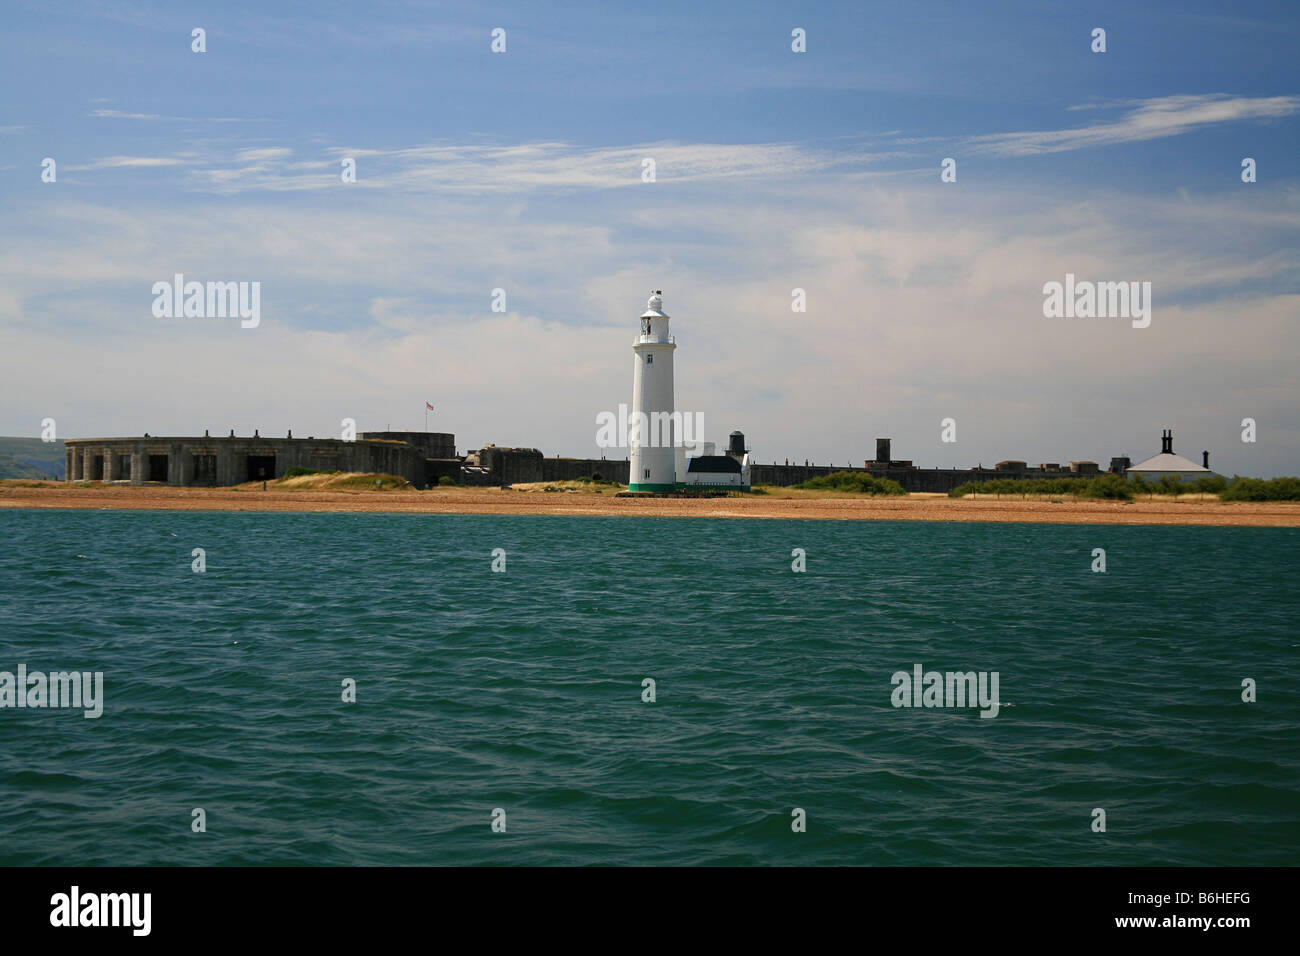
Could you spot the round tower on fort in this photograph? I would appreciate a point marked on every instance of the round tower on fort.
(654, 430)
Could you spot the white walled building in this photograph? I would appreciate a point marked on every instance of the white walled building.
(720, 471)
(717, 471)
(1167, 463)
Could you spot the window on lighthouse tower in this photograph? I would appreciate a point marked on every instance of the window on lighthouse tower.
(649, 359)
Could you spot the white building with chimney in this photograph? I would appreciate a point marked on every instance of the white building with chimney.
(1167, 463)
(729, 471)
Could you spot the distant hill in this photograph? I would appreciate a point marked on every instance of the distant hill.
(31, 458)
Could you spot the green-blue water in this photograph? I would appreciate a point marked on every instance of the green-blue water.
(523, 690)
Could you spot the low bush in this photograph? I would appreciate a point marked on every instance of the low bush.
(1107, 486)
(1262, 489)
(1101, 486)
(855, 482)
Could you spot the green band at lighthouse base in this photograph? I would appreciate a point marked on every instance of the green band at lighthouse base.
(647, 487)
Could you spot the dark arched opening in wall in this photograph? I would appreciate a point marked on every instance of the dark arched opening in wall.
(261, 467)
(597, 477)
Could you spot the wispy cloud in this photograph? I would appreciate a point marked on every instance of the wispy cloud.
(1149, 119)
(558, 166)
(119, 114)
(515, 168)
(130, 162)
(261, 155)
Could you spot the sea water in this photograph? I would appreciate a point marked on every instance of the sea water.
(367, 689)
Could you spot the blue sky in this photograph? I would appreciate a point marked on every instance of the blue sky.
(775, 170)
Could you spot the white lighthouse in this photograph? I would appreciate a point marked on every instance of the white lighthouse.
(655, 430)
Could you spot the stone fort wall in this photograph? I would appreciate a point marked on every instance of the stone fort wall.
(231, 461)
(509, 466)
(429, 444)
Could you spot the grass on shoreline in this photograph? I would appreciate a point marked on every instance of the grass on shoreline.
(588, 485)
(330, 481)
